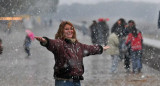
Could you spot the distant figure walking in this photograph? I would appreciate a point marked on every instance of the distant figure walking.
(27, 42)
(113, 42)
(159, 21)
(1, 47)
(135, 39)
(120, 27)
(131, 24)
(93, 30)
(103, 32)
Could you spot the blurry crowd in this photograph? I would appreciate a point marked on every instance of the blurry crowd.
(99, 32)
(125, 42)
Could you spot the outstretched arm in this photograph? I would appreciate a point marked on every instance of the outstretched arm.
(48, 43)
(41, 39)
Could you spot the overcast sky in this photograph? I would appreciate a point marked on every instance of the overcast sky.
(96, 1)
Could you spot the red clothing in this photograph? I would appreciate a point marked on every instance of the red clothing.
(69, 56)
(136, 42)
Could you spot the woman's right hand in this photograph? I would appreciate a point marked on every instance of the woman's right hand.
(41, 39)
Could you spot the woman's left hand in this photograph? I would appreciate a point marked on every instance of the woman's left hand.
(105, 47)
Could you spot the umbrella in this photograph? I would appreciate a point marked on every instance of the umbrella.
(30, 34)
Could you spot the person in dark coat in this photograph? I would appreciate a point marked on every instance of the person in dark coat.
(1, 47)
(103, 32)
(120, 27)
(159, 21)
(68, 53)
(93, 30)
(27, 43)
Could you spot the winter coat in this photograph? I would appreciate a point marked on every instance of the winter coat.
(136, 42)
(103, 32)
(27, 41)
(113, 42)
(69, 56)
(94, 32)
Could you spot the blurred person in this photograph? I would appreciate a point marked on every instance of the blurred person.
(93, 30)
(27, 42)
(135, 39)
(1, 47)
(120, 27)
(159, 21)
(9, 25)
(84, 28)
(131, 24)
(113, 42)
(68, 53)
(103, 32)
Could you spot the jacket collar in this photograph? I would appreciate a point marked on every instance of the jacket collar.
(70, 40)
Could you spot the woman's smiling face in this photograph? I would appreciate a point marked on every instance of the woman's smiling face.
(68, 31)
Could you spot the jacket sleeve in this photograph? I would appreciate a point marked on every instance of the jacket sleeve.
(116, 41)
(50, 45)
(91, 49)
(128, 39)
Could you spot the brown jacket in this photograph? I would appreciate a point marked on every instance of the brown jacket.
(69, 56)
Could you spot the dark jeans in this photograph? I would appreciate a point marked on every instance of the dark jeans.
(127, 59)
(136, 60)
(67, 83)
(27, 50)
(127, 62)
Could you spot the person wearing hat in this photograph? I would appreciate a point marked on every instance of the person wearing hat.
(103, 31)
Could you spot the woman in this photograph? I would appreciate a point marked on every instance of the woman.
(131, 24)
(135, 40)
(120, 27)
(68, 54)
(113, 42)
